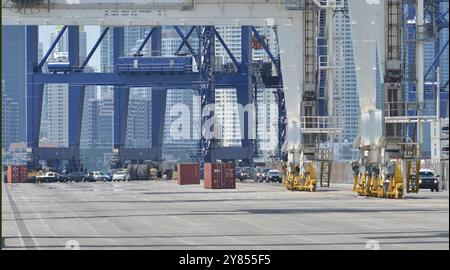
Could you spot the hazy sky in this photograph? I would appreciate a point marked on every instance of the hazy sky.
(92, 34)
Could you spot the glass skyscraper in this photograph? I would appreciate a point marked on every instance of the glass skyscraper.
(14, 82)
(346, 99)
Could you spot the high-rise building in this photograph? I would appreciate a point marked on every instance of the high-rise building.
(89, 135)
(175, 147)
(431, 48)
(138, 117)
(14, 76)
(87, 131)
(138, 132)
(132, 34)
(378, 81)
(139, 129)
(10, 120)
(227, 117)
(55, 115)
(97, 137)
(232, 38)
(267, 129)
(444, 69)
(98, 122)
(227, 114)
(105, 123)
(106, 52)
(182, 117)
(346, 100)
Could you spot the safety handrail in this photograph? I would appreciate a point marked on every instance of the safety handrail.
(409, 108)
(318, 122)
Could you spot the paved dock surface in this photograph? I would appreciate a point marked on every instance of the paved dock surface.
(164, 215)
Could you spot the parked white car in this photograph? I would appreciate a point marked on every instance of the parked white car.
(49, 177)
(96, 176)
(121, 176)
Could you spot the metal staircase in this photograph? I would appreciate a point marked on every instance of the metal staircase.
(325, 173)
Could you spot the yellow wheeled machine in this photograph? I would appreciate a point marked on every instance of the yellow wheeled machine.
(296, 180)
(412, 176)
(372, 183)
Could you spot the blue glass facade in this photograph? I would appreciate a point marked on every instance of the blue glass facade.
(14, 77)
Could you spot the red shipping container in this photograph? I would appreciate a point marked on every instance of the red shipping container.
(188, 173)
(17, 174)
(211, 175)
(229, 175)
(23, 173)
(219, 176)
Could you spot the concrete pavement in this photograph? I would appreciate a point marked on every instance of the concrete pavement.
(163, 215)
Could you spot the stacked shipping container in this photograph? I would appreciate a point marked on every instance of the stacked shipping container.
(188, 173)
(17, 173)
(219, 175)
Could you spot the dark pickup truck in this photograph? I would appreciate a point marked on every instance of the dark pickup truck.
(427, 180)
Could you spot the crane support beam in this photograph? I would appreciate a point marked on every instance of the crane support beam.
(76, 92)
(91, 53)
(121, 93)
(158, 116)
(204, 12)
(230, 54)
(35, 90)
(175, 81)
(266, 48)
(207, 91)
(189, 33)
(184, 40)
(244, 92)
(436, 59)
(147, 37)
(52, 47)
(156, 44)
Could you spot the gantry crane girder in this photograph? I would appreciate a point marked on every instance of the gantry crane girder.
(211, 148)
(35, 91)
(202, 81)
(290, 29)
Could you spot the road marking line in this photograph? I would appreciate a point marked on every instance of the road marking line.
(22, 228)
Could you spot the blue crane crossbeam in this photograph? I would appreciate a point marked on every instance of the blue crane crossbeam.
(173, 81)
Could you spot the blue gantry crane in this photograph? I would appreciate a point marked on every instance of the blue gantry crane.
(138, 70)
(436, 20)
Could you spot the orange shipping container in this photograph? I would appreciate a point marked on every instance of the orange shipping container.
(17, 174)
(188, 173)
